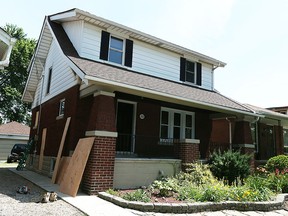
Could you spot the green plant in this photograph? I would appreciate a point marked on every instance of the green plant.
(165, 187)
(214, 193)
(229, 165)
(279, 162)
(197, 173)
(112, 192)
(138, 195)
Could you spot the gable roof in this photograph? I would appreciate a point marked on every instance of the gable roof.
(14, 128)
(127, 80)
(77, 14)
(121, 79)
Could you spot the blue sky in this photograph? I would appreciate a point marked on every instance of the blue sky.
(251, 36)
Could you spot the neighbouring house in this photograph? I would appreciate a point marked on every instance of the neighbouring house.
(282, 110)
(6, 45)
(10, 134)
(150, 104)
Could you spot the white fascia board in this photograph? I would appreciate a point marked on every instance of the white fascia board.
(63, 16)
(135, 88)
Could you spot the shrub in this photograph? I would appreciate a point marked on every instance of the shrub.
(279, 162)
(138, 195)
(229, 165)
(214, 193)
(165, 187)
(197, 174)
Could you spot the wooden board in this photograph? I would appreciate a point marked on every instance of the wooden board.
(64, 162)
(60, 150)
(43, 141)
(74, 172)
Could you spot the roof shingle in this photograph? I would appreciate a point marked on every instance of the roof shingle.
(14, 128)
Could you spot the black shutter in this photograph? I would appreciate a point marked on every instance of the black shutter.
(182, 69)
(105, 37)
(128, 53)
(199, 74)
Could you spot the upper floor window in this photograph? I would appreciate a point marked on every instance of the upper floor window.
(190, 72)
(176, 124)
(116, 50)
(49, 80)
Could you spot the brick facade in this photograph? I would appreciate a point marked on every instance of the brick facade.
(98, 175)
(188, 152)
(99, 172)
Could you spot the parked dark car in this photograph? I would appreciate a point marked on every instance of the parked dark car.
(17, 152)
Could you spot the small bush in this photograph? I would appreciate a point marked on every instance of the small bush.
(197, 174)
(279, 162)
(138, 195)
(165, 187)
(229, 165)
(112, 192)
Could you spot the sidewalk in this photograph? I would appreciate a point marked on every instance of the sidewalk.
(93, 205)
(90, 205)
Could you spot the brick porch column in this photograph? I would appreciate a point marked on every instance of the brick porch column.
(242, 141)
(98, 175)
(188, 151)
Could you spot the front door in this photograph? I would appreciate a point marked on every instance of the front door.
(125, 127)
(267, 147)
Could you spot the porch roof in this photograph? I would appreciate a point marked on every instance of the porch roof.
(114, 78)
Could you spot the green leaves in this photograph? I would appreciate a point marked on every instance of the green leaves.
(13, 78)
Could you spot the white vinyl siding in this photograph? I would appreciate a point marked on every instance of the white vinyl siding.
(62, 78)
(147, 59)
(74, 32)
(91, 42)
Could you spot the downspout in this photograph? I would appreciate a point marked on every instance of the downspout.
(230, 133)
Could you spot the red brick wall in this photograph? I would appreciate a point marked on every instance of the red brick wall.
(102, 114)
(98, 175)
(187, 152)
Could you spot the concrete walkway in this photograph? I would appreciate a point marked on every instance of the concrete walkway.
(93, 205)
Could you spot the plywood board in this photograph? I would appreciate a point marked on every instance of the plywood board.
(43, 141)
(74, 172)
(60, 150)
(64, 162)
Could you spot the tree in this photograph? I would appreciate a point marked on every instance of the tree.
(13, 78)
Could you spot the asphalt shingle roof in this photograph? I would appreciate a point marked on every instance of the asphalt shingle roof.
(14, 128)
(132, 78)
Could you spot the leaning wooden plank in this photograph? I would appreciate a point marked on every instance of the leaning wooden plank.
(74, 172)
(64, 162)
(43, 141)
(60, 150)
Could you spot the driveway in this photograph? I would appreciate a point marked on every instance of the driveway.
(13, 203)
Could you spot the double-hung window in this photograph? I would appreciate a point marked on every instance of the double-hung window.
(190, 72)
(176, 125)
(115, 49)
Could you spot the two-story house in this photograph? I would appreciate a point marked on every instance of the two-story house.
(149, 103)
(6, 45)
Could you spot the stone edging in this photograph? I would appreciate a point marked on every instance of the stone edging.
(276, 204)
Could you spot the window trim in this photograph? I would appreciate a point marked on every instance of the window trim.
(286, 129)
(183, 113)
